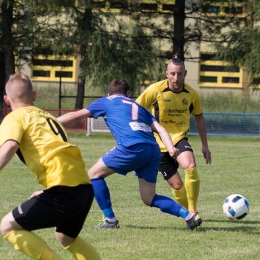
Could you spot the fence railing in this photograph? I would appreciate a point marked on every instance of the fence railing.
(230, 124)
(217, 124)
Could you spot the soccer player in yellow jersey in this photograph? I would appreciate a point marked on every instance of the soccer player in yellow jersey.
(172, 102)
(42, 144)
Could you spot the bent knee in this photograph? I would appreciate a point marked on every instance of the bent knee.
(176, 185)
(147, 202)
(64, 239)
(5, 226)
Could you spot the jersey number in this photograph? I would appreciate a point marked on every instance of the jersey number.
(134, 109)
(57, 130)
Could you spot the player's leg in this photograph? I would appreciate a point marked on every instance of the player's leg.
(166, 205)
(81, 250)
(120, 160)
(192, 181)
(147, 176)
(25, 241)
(68, 232)
(187, 162)
(97, 173)
(178, 189)
(168, 167)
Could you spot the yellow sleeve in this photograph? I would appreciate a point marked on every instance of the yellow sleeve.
(147, 98)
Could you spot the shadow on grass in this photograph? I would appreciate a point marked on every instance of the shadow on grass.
(250, 227)
(237, 222)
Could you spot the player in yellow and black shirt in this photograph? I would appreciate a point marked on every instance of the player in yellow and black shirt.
(173, 102)
(41, 143)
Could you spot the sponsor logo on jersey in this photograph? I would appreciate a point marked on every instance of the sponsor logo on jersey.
(167, 121)
(176, 112)
(185, 101)
(167, 100)
(137, 126)
(181, 124)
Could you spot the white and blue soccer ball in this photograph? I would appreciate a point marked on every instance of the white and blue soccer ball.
(236, 207)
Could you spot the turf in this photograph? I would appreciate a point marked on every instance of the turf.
(147, 233)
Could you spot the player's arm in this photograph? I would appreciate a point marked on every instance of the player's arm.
(7, 151)
(166, 139)
(201, 126)
(74, 116)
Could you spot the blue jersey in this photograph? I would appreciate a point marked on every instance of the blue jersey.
(128, 122)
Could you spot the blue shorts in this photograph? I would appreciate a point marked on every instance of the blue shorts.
(141, 158)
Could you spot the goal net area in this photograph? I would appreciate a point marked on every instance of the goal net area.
(96, 125)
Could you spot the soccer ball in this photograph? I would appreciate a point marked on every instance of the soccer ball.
(236, 207)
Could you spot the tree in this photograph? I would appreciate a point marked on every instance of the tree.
(7, 38)
(240, 46)
(132, 44)
(79, 31)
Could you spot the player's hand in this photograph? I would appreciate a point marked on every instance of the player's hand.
(174, 153)
(36, 193)
(207, 155)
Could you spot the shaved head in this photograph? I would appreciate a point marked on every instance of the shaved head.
(19, 90)
(175, 61)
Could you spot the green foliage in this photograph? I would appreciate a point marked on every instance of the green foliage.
(229, 103)
(48, 98)
(239, 45)
(147, 233)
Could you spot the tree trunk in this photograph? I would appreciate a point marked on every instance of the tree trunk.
(6, 56)
(81, 85)
(7, 22)
(2, 82)
(84, 25)
(249, 23)
(179, 20)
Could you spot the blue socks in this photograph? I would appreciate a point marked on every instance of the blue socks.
(169, 206)
(102, 196)
(165, 204)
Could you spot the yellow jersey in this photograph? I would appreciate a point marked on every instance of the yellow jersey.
(172, 110)
(44, 147)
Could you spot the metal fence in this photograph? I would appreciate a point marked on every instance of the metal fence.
(217, 124)
(230, 124)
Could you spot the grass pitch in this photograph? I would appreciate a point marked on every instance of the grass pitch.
(147, 233)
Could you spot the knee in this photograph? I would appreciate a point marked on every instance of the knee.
(146, 202)
(5, 229)
(176, 185)
(93, 174)
(90, 174)
(2, 229)
(147, 199)
(64, 239)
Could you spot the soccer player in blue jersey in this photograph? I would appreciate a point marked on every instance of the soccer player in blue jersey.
(132, 126)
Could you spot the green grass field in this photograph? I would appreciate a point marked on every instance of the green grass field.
(147, 233)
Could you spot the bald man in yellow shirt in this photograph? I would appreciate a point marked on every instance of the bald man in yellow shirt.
(173, 102)
(42, 144)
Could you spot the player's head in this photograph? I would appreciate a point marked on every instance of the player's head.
(176, 73)
(176, 61)
(119, 86)
(19, 89)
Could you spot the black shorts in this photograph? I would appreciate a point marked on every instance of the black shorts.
(65, 208)
(168, 166)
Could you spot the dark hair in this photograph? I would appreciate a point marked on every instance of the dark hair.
(118, 86)
(177, 61)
